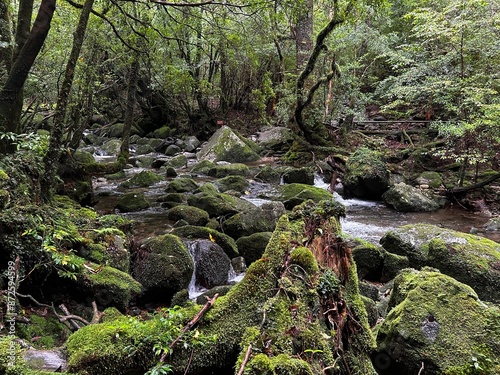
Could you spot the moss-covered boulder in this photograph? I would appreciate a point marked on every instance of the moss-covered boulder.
(437, 324)
(195, 232)
(276, 138)
(111, 287)
(236, 183)
(192, 215)
(142, 179)
(132, 202)
(228, 145)
(369, 261)
(303, 175)
(202, 167)
(256, 219)
(181, 185)
(111, 147)
(468, 258)
(252, 247)
(219, 204)
(392, 264)
(177, 161)
(164, 267)
(294, 194)
(225, 170)
(406, 198)
(268, 174)
(108, 246)
(367, 175)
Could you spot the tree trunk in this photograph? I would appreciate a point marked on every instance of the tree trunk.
(51, 160)
(129, 112)
(11, 93)
(303, 34)
(6, 52)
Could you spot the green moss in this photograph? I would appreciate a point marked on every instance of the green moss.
(192, 215)
(226, 170)
(237, 183)
(4, 198)
(295, 194)
(112, 287)
(142, 179)
(181, 185)
(131, 202)
(4, 177)
(44, 332)
(203, 167)
(117, 221)
(223, 240)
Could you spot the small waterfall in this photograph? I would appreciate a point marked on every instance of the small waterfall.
(193, 289)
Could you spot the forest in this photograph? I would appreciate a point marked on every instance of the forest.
(147, 146)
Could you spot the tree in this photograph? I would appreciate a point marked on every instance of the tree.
(11, 93)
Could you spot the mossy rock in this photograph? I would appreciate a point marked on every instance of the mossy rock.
(164, 267)
(237, 183)
(203, 167)
(163, 132)
(440, 322)
(406, 198)
(430, 178)
(303, 175)
(181, 185)
(177, 161)
(192, 215)
(142, 179)
(115, 221)
(367, 175)
(392, 264)
(219, 204)
(109, 246)
(112, 287)
(195, 232)
(225, 170)
(268, 174)
(369, 260)
(294, 194)
(252, 247)
(132, 202)
(44, 332)
(228, 145)
(471, 259)
(83, 157)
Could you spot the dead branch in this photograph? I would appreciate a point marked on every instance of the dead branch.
(210, 302)
(97, 315)
(245, 360)
(71, 320)
(464, 189)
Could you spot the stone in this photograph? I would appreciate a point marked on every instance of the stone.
(299, 175)
(276, 138)
(406, 198)
(191, 215)
(253, 246)
(132, 202)
(228, 145)
(211, 263)
(142, 179)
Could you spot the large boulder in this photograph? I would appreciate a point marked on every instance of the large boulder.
(367, 175)
(181, 185)
(228, 145)
(219, 204)
(299, 175)
(236, 183)
(132, 202)
(294, 194)
(468, 258)
(276, 138)
(439, 326)
(257, 219)
(211, 263)
(192, 215)
(164, 267)
(252, 247)
(142, 179)
(406, 198)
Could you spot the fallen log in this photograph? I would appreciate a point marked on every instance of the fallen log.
(464, 189)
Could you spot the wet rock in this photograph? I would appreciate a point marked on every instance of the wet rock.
(228, 145)
(211, 263)
(470, 259)
(369, 260)
(219, 204)
(144, 149)
(252, 247)
(164, 267)
(132, 202)
(46, 360)
(439, 322)
(294, 194)
(111, 147)
(268, 174)
(191, 144)
(239, 264)
(172, 150)
(191, 215)
(299, 176)
(256, 219)
(191, 232)
(203, 167)
(142, 179)
(406, 198)
(181, 185)
(366, 175)
(237, 183)
(233, 169)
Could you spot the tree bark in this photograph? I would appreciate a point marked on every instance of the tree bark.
(51, 160)
(6, 51)
(129, 112)
(10, 94)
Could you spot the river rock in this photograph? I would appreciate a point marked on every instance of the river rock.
(202, 167)
(252, 247)
(172, 150)
(142, 179)
(367, 175)
(276, 138)
(229, 146)
(492, 225)
(470, 259)
(233, 169)
(181, 185)
(191, 144)
(429, 178)
(439, 325)
(236, 183)
(164, 267)
(219, 204)
(299, 175)
(111, 147)
(191, 232)
(369, 261)
(132, 202)
(256, 219)
(46, 360)
(192, 215)
(294, 194)
(211, 263)
(406, 198)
